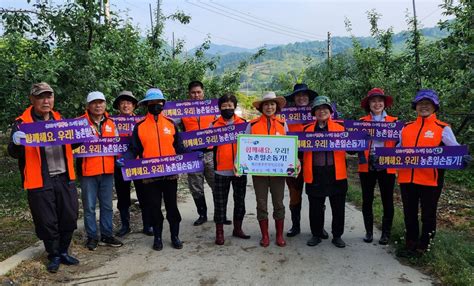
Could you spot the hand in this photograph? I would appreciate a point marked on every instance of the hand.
(298, 168)
(17, 136)
(236, 173)
(466, 160)
(120, 162)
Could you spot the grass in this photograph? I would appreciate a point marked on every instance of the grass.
(451, 255)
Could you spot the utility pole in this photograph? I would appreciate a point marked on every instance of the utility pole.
(329, 52)
(173, 52)
(158, 12)
(107, 11)
(416, 41)
(151, 18)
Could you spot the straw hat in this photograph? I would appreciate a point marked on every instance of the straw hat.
(270, 96)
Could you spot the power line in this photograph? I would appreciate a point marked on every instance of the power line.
(247, 22)
(257, 19)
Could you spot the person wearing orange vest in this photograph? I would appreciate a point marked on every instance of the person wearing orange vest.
(156, 136)
(422, 186)
(48, 177)
(126, 103)
(375, 104)
(224, 158)
(325, 175)
(196, 180)
(97, 177)
(301, 96)
(269, 124)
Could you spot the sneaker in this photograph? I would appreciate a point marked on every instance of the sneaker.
(110, 241)
(91, 244)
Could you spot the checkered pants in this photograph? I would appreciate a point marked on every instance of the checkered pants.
(221, 196)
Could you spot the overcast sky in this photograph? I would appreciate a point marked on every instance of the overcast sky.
(253, 23)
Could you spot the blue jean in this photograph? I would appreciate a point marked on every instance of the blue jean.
(94, 187)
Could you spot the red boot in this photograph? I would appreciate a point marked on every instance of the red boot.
(238, 232)
(265, 241)
(220, 234)
(279, 232)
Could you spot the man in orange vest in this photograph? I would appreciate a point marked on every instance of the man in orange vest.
(97, 177)
(196, 180)
(48, 176)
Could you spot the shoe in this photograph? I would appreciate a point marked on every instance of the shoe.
(313, 241)
(295, 219)
(174, 229)
(324, 234)
(53, 265)
(338, 242)
(110, 241)
(157, 241)
(92, 243)
(293, 231)
(148, 231)
(220, 234)
(227, 222)
(384, 239)
(238, 232)
(265, 241)
(125, 220)
(369, 237)
(122, 231)
(279, 232)
(67, 259)
(202, 219)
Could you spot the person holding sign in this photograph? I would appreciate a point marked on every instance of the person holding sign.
(48, 177)
(375, 104)
(422, 186)
(196, 180)
(224, 157)
(96, 176)
(269, 124)
(301, 96)
(325, 175)
(126, 103)
(156, 136)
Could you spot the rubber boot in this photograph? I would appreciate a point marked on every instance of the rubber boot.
(201, 209)
(52, 248)
(146, 219)
(174, 229)
(279, 232)
(125, 220)
(64, 242)
(238, 232)
(220, 234)
(295, 218)
(385, 238)
(157, 241)
(369, 227)
(265, 241)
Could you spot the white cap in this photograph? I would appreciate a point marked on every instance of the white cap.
(94, 96)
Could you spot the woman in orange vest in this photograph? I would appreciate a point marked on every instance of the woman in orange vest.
(325, 175)
(156, 136)
(48, 177)
(423, 186)
(269, 124)
(224, 157)
(375, 104)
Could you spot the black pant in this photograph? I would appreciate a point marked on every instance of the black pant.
(414, 195)
(386, 184)
(316, 213)
(154, 192)
(123, 190)
(55, 210)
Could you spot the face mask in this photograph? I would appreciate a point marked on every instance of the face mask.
(227, 113)
(155, 109)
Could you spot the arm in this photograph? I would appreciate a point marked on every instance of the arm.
(448, 137)
(15, 151)
(178, 142)
(136, 148)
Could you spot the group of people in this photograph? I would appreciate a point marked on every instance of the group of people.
(48, 172)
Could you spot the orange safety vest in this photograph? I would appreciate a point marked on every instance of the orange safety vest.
(297, 127)
(364, 168)
(197, 123)
(32, 173)
(157, 137)
(423, 132)
(259, 126)
(98, 165)
(339, 156)
(224, 155)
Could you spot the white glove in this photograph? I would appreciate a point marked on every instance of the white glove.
(17, 136)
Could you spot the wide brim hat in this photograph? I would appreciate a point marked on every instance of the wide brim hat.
(301, 87)
(270, 96)
(127, 95)
(321, 100)
(426, 94)
(373, 93)
(152, 94)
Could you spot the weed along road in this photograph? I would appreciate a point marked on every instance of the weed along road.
(244, 262)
